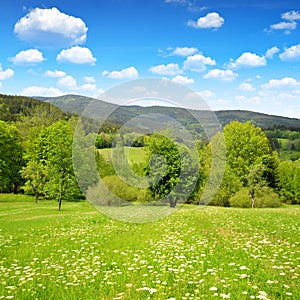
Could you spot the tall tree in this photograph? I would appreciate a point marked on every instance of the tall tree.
(289, 174)
(51, 153)
(62, 183)
(246, 145)
(172, 170)
(10, 158)
(255, 181)
(36, 176)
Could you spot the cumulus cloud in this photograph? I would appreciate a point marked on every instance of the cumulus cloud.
(288, 26)
(198, 63)
(286, 82)
(28, 57)
(6, 74)
(224, 75)
(50, 27)
(68, 82)
(183, 79)
(127, 73)
(55, 74)
(248, 59)
(246, 87)
(291, 54)
(41, 91)
(184, 51)
(76, 55)
(170, 69)
(89, 79)
(206, 94)
(291, 15)
(90, 87)
(211, 20)
(271, 52)
(289, 22)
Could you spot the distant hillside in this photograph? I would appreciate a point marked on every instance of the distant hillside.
(76, 104)
(11, 107)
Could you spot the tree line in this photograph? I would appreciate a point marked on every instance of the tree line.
(36, 158)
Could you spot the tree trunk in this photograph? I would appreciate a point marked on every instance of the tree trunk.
(172, 203)
(252, 199)
(59, 204)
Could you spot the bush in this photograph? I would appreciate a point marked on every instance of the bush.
(220, 199)
(264, 198)
(123, 190)
(240, 199)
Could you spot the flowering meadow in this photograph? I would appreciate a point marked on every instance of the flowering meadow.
(208, 253)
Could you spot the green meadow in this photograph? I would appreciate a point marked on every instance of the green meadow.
(133, 154)
(194, 253)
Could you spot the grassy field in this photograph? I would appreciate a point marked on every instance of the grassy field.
(134, 154)
(210, 253)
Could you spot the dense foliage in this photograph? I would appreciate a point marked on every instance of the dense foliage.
(36, 157)
(10, 158)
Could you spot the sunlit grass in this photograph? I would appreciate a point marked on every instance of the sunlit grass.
(134, 154)
(210, 253)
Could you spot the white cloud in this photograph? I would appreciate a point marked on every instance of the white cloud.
(89, 87)
(184, 51)
(170, 69)
(6, 74)
(211, 20)
(55, 74)
(286, 82)
(89, 79)
(284, 26)
(198, 63)
(271, 52)
(68, 82)
(206, 94)
(28, 57)
(288, 24)
(291, 15)
(292, 53)
(224, 75)
(128, 73)
(76, 55)
(41, 91)
(50, 27)
(183, 79)
(246, 87)
(248, 59)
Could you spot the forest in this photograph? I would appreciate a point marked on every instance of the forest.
(262, 166)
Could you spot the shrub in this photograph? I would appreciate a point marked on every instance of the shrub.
(123, 190)
(240, 199)
(264, 198)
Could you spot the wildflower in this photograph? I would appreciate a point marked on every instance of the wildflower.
(225, 296)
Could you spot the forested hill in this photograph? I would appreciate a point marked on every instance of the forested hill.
(76, 104)
(12, 107)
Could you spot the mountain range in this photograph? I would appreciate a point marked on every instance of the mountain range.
(120, 114)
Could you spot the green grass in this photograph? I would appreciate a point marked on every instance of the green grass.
(16, 198)
(210, 253)
(135, 154)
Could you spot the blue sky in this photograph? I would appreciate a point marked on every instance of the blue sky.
(235, 54)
